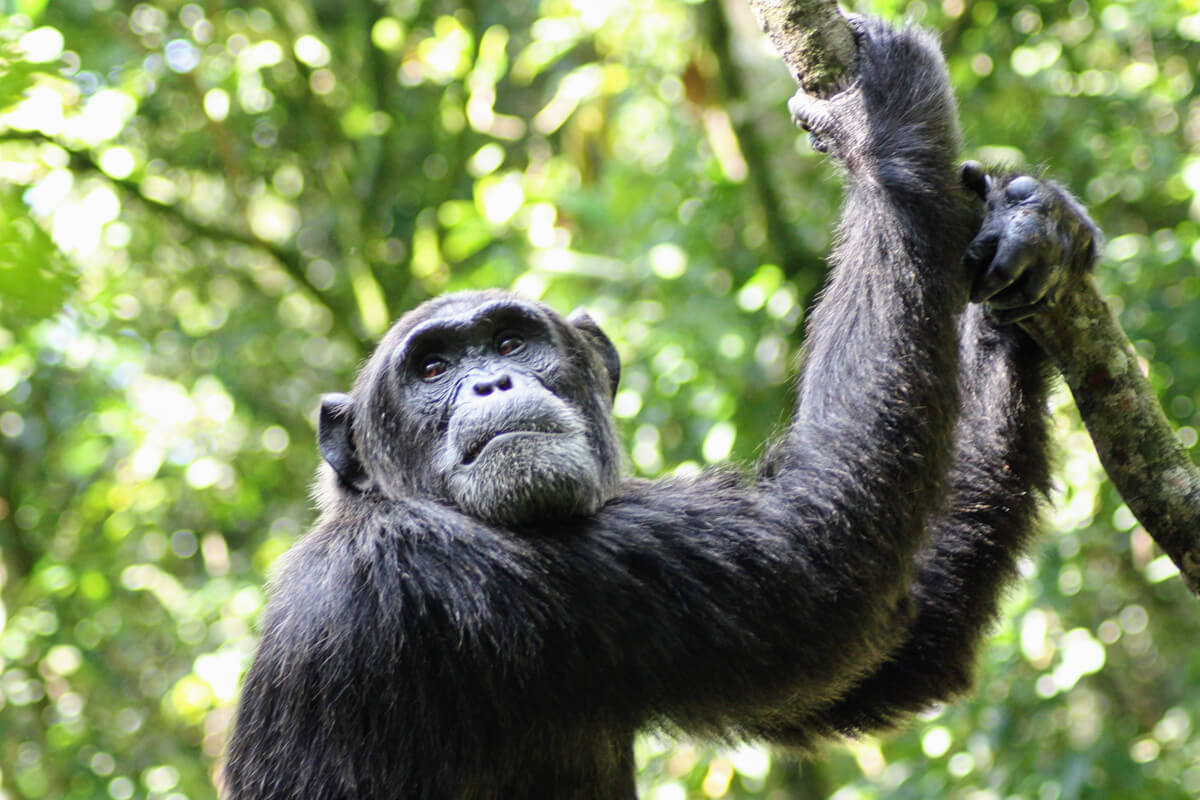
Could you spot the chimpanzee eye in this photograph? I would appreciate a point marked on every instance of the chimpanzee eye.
(433, 367)
(509, 343)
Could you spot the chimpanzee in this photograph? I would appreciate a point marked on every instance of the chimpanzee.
(487, 609)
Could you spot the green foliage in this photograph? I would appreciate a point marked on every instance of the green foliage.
(16, 75)
(34, 280)
(211, 210)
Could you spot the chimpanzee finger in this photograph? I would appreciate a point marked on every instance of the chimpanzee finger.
(1021, 189)
(1025, 292)
(1014, 256)
(810, 113)
(1010, 315)
(980, 253)
(975, 178)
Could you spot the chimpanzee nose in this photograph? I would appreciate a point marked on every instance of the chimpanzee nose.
(492, 383)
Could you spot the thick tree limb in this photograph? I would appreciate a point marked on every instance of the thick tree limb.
(1139, 450)
(813, 39)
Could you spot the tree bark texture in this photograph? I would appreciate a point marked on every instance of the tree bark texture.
(1137, 446)
(813, 39)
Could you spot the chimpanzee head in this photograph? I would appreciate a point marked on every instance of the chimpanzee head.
(485, 401)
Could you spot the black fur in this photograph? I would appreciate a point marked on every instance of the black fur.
(422, 642)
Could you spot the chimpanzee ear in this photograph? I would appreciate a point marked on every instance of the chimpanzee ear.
(601, 344)
(335, 441)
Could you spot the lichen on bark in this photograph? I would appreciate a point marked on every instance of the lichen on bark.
(814, 40)
(1139, 450)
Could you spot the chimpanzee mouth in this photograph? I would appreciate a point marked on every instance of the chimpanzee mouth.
(476, 449)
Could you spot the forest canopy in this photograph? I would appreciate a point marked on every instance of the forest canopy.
(210, 211)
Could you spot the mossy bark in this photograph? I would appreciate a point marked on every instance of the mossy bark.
(1137, 446)
(814, 40)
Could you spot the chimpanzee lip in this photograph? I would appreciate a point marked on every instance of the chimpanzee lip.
(476, 449)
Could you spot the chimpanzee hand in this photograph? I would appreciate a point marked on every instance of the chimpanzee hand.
(898, 117)
(1035, 242)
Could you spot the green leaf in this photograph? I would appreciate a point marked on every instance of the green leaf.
(34, 277)
(17, 75)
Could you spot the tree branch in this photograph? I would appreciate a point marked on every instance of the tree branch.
(1139, 450)
(813, 39)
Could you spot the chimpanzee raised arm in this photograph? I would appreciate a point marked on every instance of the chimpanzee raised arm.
(1035, 243)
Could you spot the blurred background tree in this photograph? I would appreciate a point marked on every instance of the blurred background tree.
(211, 209)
